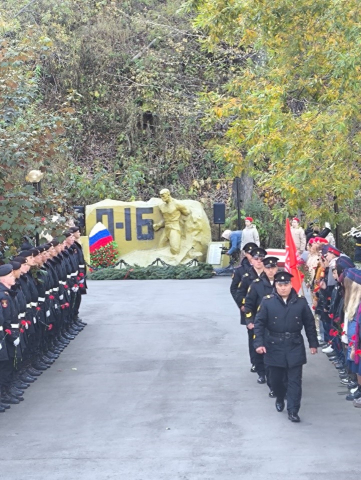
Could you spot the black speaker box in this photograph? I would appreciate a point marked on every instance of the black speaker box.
(219, 213)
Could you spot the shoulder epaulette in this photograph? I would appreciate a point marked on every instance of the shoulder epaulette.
(268, 296)
(257, 280)
(301, 296)
(246, 275)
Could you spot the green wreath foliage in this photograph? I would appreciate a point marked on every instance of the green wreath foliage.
(179, 272)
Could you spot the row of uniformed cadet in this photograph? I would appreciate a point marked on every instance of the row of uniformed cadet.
(40, 295)
(274, 315)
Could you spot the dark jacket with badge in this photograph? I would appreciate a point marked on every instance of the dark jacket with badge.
(11, 321)
(278, 327)
(237, 276)
(3, 350)
(242, 290)
(258, 289)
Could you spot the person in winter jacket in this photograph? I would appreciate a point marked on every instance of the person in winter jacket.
(298, 235)
(249, 233)
(277, 331)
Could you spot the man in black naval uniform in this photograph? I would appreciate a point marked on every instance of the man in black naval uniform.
(278, 336)
(257, 255)
(243, 268)
(258, 289)
(238, 273)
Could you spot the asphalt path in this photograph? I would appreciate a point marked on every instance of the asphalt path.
(158, 387)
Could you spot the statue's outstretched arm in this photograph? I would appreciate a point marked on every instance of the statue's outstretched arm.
(157, 226)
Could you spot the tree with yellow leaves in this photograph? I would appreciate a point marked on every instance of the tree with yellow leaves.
(293, 112)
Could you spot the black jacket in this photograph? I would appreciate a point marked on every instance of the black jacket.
(10, 320)
(238, 273)
(257, 290)
(244, 285)
(274, 319)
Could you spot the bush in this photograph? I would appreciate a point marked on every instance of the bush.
(179, 272)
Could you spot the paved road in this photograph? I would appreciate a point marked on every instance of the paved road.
(157, 387)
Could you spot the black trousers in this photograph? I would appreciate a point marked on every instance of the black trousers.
(293, 388)
(6, 372)
(252, 351)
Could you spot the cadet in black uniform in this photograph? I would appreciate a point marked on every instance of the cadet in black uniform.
(257, 255)
(81, 270)
(242, 269)
(258, 289)
(277, 329)
(9, 394)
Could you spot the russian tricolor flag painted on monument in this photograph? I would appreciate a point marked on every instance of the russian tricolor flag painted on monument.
(99, 237)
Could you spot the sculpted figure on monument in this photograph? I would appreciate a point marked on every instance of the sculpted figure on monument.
(171, 210)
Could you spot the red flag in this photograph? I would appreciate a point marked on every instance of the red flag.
(292, 259)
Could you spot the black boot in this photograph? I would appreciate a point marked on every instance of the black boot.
(293, 416)
(280, 404)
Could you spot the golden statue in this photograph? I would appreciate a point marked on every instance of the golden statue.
(171, 210)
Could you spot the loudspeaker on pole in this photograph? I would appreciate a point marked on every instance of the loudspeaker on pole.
(219, 213)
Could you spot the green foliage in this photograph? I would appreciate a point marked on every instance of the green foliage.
(104, 98)
(291, 114)
(105, 256)
(179, 272)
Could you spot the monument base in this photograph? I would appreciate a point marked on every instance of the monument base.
(143, 258)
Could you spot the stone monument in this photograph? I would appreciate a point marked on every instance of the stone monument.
(176, 231)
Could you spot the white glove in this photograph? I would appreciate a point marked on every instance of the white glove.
(16, 342)
(75, 289)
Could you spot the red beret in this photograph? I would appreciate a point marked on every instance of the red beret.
(249, 218)
(297, 219)
(321, 240)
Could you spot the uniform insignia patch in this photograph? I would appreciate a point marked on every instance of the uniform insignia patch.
(4, 303)
(249, 314)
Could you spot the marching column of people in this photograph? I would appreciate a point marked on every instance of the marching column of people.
(40, 296)
(275, 314)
